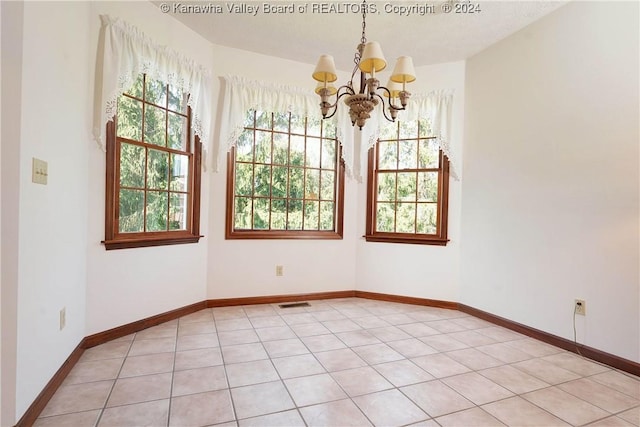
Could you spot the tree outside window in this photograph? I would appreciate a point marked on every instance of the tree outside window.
(285, 179)
(407, 186)
(153, 169)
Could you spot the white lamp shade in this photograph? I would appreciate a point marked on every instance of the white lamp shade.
(394, 87)
(372, 58)
(325, 69)
(332, 88)
(403, 72)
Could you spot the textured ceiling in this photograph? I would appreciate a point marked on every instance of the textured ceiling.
(430, 38)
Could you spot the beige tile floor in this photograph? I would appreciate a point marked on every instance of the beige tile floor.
(343, 362)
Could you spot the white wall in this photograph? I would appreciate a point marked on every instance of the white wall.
(11, 85)
(53, 217)
(551, 185)
(421, 271)
(242, 268)
(130, 284)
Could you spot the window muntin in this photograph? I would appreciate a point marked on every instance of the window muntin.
(407, 186)
(285, 179)
(153, 177)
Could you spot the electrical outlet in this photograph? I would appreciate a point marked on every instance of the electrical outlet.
(581, 307)
(279, 270)
(63, 318)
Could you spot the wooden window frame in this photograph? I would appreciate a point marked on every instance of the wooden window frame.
(437, 239)
(114, 239)
(335, 234)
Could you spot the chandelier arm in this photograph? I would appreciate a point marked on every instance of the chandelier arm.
(347, 90)
(384, 111)
(400, 108)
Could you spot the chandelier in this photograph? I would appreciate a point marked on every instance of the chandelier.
(368, 60)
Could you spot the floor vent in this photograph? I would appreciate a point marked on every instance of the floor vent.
(295, 304)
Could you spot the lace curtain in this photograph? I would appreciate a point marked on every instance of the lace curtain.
(126, 53)
(242, 95)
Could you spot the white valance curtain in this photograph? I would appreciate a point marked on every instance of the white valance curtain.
(242, 95)
(126, 53)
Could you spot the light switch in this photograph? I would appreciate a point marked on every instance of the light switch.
(39, 171)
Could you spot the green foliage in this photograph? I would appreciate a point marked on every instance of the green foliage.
(288, 165)
(406, 196)
(154, 182)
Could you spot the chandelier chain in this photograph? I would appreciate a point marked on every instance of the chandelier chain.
(363, 40)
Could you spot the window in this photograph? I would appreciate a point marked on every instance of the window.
(285, 179)
(407, 187)
(153, 169)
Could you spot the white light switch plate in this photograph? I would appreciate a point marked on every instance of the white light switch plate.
(39, 171)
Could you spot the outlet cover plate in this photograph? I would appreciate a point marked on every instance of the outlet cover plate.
(581, 307)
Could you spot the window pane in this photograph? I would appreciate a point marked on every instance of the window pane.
(158, 170)
(177, 132)
(177, 100)
(157, 209)
(244, 179)
(131, 165)
(427, 218)
(389, 131)
(328, 154)
(261, 214)
(312, 184)
(313, 153)
(328, 185)
(329, 128)
(387, 186)
(136, 88)
(385, 217)
(281, 122)
(263, 147)
(313, 126)
(294, 220)
(178, 211)
(407, 186)
(129, 118)
(262, 180)
(296, 155)
(425, 128)
(280, 149)
(244, 147)
(429, 156)
(263, 120)
(427, 186)
(156, 92)
(311, 215)
(131, 211)
(179, 172)
(387, 155)
(279, 214)
(327, 214)
(242, 213)
(155, 125)
(297, 124)
(280, 180)
(406, 218)
(296, 183)
(408, 154)
(249, 120)
(408, 129)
